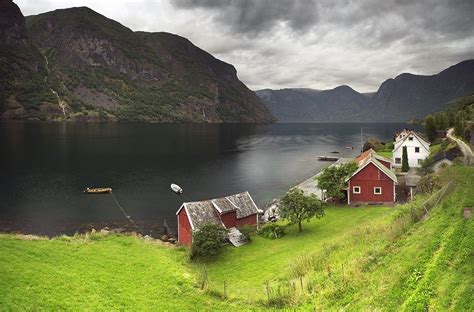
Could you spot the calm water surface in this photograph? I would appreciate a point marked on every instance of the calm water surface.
(45, 166)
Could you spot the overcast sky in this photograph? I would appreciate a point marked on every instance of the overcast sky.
(312, 44)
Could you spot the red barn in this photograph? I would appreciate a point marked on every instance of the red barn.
(231, 211)
(373, 182)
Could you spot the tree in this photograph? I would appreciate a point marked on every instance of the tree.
(372, 143)
(405, 165)
(441, 121)
(430, 128)
(207, 241)
(296, 207)
(333, 179)
(459, 124)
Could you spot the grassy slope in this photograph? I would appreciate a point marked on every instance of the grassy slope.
(354, 258)
(246, 269)
(99, 273)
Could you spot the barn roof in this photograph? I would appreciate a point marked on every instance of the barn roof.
(370, 153)
(207, 211)
(201, 213)
(372, 160)
(244, 203)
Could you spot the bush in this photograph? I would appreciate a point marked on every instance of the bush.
(207, 241)
(272, 231)
(247, 231)
(429, 183)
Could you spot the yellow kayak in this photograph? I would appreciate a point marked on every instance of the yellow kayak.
(98, 190)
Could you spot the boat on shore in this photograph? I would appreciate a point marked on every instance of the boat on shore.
(328, 158)
(98, 190)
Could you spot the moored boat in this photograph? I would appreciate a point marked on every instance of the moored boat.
(98, 190)
(328, 158)
(176, 188)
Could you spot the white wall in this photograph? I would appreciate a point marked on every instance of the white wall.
(413, 157)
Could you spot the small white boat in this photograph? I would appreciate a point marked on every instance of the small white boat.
(176, 188)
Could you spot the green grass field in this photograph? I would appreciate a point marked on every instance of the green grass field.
(366, 258)
(387, 154)
(97, 273)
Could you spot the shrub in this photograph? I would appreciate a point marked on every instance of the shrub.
(429, 183)
(207, 241)
(405, 165)
(272, 231)
(247, 231)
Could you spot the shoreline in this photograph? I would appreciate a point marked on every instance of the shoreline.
(151, 228)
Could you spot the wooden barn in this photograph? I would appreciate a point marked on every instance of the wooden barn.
(230, 212)
(373, 182)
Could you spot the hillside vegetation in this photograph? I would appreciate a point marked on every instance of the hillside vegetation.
(102, 70)
(413, 257)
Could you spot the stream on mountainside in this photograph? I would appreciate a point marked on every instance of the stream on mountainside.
(62, 104)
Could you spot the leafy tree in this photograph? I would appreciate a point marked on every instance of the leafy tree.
(372, 143)
(441, 120)
(207, 241)
(296, 207)
(459, 124)
(333, 179)
(405, 165)
(430, 128)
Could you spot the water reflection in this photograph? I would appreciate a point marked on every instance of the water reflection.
(45, 166)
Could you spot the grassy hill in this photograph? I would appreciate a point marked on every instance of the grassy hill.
(376, 258)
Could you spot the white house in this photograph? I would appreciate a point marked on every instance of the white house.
(418, 148)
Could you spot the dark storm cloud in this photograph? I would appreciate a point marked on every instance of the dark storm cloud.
(254, 17)
(314, 43)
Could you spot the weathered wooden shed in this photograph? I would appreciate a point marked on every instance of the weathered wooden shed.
(229, 212)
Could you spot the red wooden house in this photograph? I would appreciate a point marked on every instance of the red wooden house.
(373, 182)
(228, 212)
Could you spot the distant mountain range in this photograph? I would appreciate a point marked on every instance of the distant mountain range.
(79, 65)
(402, 98)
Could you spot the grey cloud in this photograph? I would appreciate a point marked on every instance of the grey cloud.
(252, 18)
(315, 43)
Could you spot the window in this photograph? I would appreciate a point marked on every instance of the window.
(398, 160)
(356, 189)
(410, 138)
(417, 149)
(377, 190)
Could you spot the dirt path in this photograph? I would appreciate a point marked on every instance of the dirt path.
(466, 150)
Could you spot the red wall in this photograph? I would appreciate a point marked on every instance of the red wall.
(385, 163)
(184, 228)
(251, 220)
(229, 219)
(367, 179)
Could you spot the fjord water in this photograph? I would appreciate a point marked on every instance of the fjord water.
(44, 167)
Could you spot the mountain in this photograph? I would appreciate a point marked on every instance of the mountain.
(89, 67)
(306, 105)
(402, 98)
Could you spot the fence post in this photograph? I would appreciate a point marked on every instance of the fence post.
(225, 289)
(268, 290)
